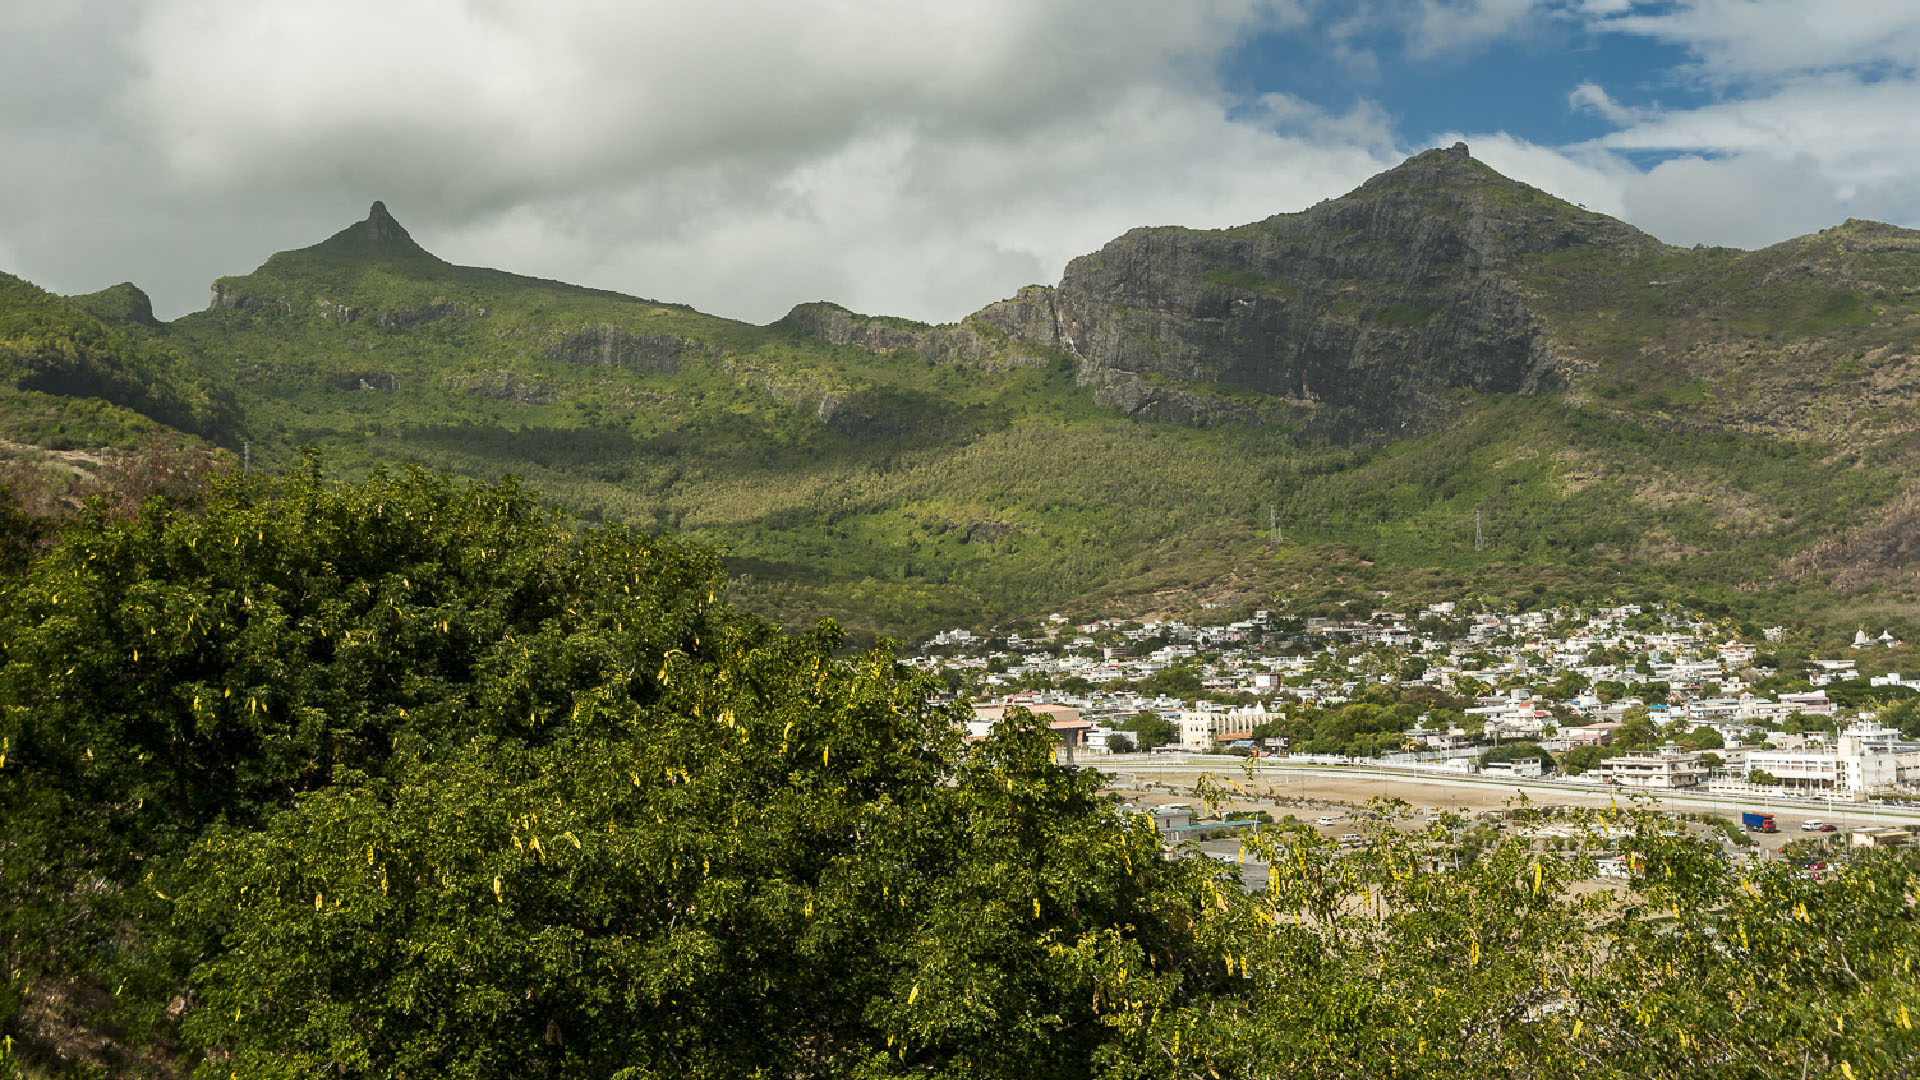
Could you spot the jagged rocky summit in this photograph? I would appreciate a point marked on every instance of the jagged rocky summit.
(1359, 316)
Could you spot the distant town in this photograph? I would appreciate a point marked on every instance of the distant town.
(1618, 697)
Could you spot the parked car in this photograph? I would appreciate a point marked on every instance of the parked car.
(1828, 826)
(1810, 826)
(1324, 821)
(1352, 839)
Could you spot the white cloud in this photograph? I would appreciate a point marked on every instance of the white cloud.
(897, 223)
(742, 155)
(1860, 133)
(1744, 201)
(1742, 39)
(1442, 26)
(1747, 201)
(1814, 115)
(524, 97)
(1592, 97)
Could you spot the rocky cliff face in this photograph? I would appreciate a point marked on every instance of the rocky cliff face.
(1362, 317)
(1009, 332)
(1363, 313)
(613, 346)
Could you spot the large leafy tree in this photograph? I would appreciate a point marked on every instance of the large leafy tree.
(406, 777)
(168, 669)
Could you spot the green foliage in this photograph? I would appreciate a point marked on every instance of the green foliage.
(1372, 724)
(58, 353)
(1515, 751)
(9, 1063)
(1174, 680)
(421, 779)
(1703, 738)
(21, 533)
(163, 672)
(1566, 686)
(719, 897)
(1860, 693)
(1582, 759)
(1430, 957)
(1729, 831)
(1637, 730)
(1151, 729)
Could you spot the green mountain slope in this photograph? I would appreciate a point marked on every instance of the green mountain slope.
(1442, 352)
(97, 370)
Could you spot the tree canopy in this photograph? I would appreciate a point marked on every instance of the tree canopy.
(408, 777)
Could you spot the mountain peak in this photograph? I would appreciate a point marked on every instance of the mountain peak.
(380, 230)
(381, 227)
(122, 304)
(377, 236)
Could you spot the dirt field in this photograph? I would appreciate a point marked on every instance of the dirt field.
(1313, 794)
(1292, 790)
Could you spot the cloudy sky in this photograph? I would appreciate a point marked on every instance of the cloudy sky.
(906, 157)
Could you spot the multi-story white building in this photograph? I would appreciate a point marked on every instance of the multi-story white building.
(1203, 724)
(1664, 769)
(1867, 757)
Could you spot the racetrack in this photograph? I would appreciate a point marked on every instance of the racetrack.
(1296, 788)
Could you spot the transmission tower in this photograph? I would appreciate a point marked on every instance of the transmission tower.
(1479, 537)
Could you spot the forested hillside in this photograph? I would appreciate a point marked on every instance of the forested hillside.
(91, 371)
(1443, 384)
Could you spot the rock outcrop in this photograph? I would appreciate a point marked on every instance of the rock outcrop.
(842, 327)
(614, 346)
(1362, 314)
(1010, 332)
(122, 305)
(1362, 317)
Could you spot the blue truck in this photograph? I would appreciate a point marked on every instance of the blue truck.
(1757, 822)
